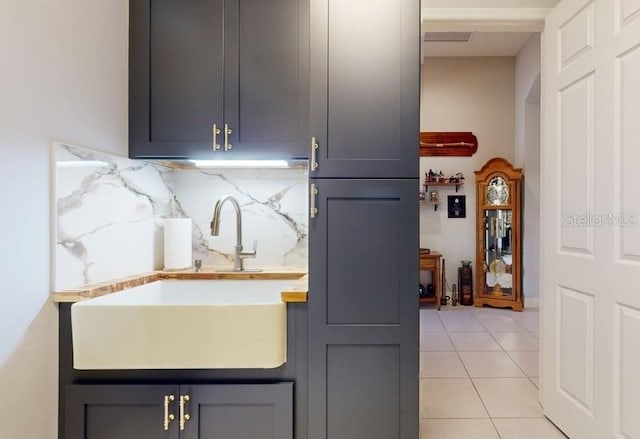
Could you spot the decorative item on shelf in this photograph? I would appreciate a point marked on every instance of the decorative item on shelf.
(498, 235)
(461, 144)
(431, 176)
(422, 292)
(454, 295)
(425, 251)
(421, 196)
(465, 282)
(437, 178)
(431, 199)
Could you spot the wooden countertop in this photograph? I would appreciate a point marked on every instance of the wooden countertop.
(297, 293)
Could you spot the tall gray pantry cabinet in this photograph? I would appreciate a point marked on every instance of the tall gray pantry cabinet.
(363, 230)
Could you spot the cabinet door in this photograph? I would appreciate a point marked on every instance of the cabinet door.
(363, 310)
(365, 65)
(175, 77)
(267, 78)
(239, 411)
(119, 412)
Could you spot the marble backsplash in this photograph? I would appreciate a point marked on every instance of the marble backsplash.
(109, 212)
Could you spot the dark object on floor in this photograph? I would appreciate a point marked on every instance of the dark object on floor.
(465, 283)
(430, 290)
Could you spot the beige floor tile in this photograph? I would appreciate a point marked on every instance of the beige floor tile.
(509, 397)
(527, 361)
(528, 318)
(535, 381)
(434, 341)
(490, 365)
(429, 321)
(450, 398)
(517, 341)
(498, 323)
(457, 429)
(461, 322)
(474, 341)
(441, 365)
(519, 428)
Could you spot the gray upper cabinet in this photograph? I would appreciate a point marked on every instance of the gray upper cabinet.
(239, 65)
(365, 87)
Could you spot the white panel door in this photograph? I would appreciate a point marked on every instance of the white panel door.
(590, 211)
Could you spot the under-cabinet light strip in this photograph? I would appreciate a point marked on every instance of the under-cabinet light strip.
(240, 163)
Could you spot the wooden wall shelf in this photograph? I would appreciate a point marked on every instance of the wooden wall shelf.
(457, 144)
(457, 185)
(431, 203)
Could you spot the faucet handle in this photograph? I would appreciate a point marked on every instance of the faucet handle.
(251, 253)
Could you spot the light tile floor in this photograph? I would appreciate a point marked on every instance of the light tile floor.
(479, 375)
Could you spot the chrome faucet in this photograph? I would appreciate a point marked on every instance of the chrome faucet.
(239, 254)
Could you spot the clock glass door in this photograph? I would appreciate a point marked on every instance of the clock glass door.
(498, 253)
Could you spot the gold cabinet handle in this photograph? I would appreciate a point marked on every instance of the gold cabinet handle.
(313, 211)
(314, 150)
(168, 417)
(227, 131)
(216, 131)
(184, 417)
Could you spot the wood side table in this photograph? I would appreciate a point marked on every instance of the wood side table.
(431, 262)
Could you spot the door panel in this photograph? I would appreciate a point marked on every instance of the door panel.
(576, 147)
(575, 353)
(591, 250)
(175, 83)
(363, 310)
(118, 412)
(243, 411)
(267, 78)
(627, 177)
(363, 401)
(370, 221)
(365, 87)
(626, 365)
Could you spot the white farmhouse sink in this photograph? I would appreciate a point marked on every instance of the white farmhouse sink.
(183, 324)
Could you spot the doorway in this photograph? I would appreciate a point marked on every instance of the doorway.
(479, 366)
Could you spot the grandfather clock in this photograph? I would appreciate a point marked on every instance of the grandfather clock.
(498, 235)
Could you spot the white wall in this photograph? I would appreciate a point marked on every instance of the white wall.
(527, 156)
(63, 76)
(464, 94)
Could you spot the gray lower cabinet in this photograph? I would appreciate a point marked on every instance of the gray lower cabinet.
(363, 310)
(238, 411)
(241, 65)
(365, 88)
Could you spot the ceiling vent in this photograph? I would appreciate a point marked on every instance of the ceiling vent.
(447, 37)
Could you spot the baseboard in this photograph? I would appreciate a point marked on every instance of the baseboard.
(532, 302)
